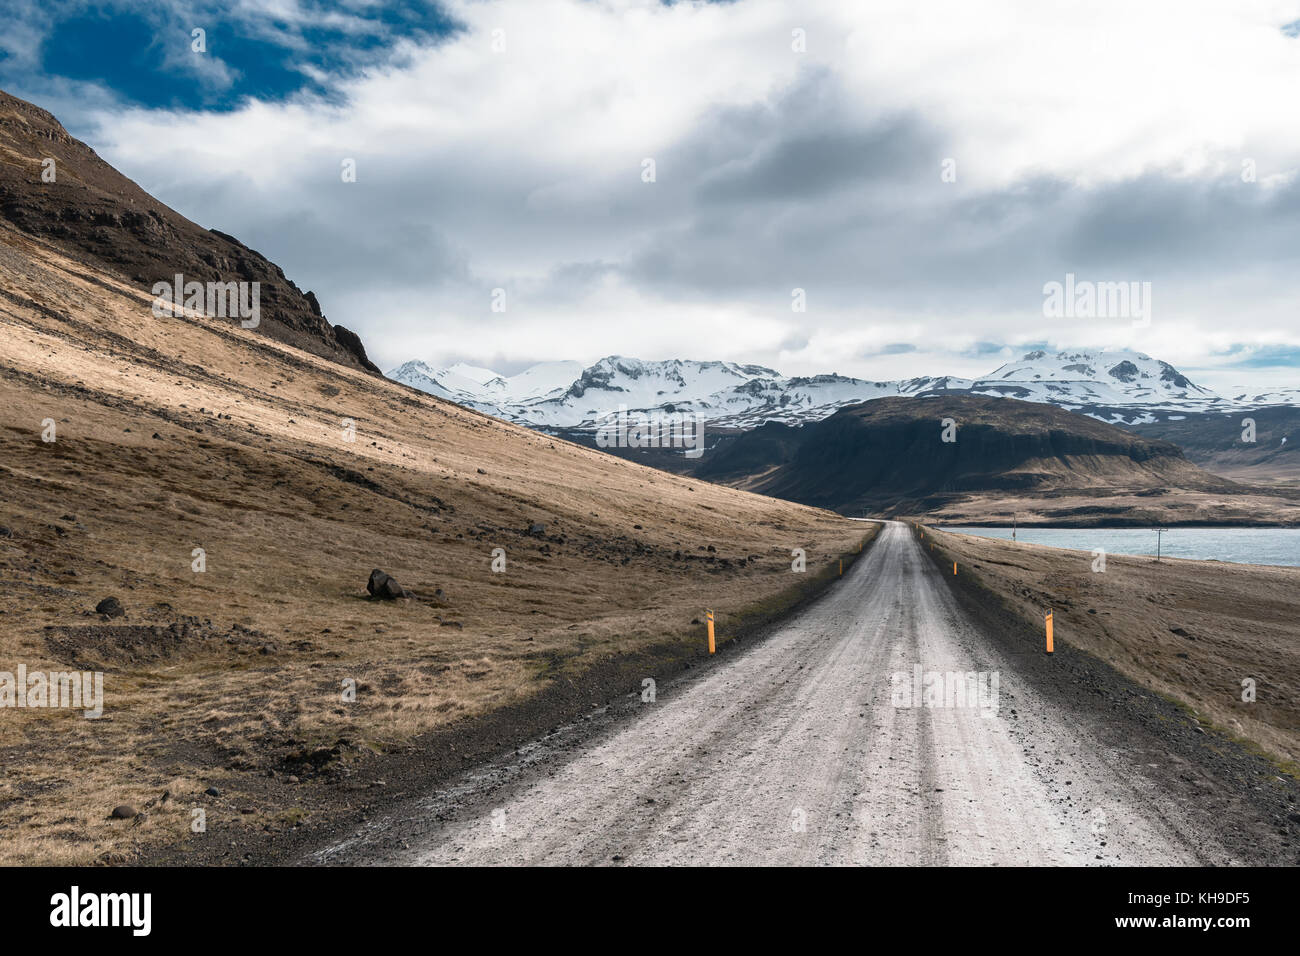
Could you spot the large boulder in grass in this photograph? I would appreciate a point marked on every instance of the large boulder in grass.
(384, 587)
(110, 607)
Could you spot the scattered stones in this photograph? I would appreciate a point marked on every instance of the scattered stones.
(123, 811)
(212, 792)
(110, 607)
(537, 528)
(5, 532)
(384, 587)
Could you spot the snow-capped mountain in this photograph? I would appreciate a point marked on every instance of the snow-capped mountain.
(1123, 387)
(485, 389)
(1118, 386)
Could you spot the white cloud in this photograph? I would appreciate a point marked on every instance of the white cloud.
(1102, 138)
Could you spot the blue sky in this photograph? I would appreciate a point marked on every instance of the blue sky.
(142, 52)
(501, 144)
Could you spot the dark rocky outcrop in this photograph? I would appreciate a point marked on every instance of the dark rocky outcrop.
(96, 215)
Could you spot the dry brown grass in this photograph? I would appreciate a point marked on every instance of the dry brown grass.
(1240, 622)
(292, 519)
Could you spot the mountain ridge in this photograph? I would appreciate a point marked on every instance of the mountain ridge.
(1124, 387)
(57, 190)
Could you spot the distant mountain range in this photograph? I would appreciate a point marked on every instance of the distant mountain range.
(1121, 387)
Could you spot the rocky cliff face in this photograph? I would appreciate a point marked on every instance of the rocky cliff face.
(97, 215)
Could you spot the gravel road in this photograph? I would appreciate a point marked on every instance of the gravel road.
(797, 751)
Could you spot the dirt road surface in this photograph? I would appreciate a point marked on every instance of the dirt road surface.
(796, 751)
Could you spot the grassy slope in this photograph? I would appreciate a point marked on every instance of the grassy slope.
(1239, 622)
(147, 467)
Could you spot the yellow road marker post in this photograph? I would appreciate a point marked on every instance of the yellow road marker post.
(1049, 632)
(709, 614)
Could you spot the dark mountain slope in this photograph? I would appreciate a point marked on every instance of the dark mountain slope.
(889, 455)
(98, 216)
(753, 452)
(1216, 440)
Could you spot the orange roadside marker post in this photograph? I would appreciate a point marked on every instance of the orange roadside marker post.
(841, 567)
(1049, 632)
(954, 569)
(709, 615)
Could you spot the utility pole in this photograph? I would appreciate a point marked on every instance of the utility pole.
(1013, 526)
(1159, 532)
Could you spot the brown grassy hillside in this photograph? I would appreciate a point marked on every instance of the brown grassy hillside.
(182, 433)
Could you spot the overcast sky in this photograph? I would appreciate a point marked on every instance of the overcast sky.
(502, 145)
